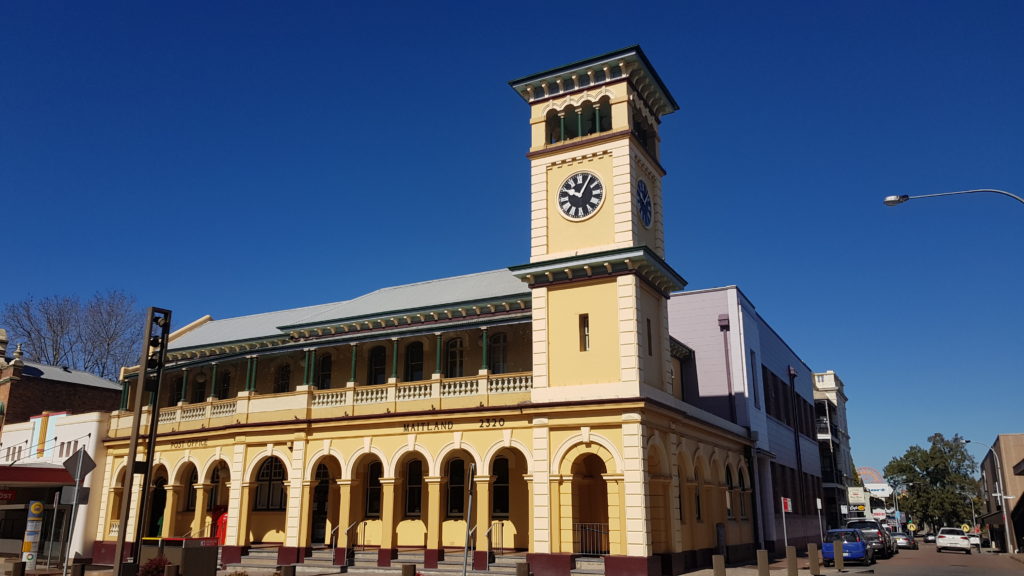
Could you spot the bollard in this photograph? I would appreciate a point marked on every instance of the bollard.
(837, 554)
(407, 570)
(287, 570)
(813, 561)
(762, 563)
(718, 564)
(790, 560)
(522, 569)
(18, 569)
(171, 570)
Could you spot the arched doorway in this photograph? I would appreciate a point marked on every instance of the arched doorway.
(157, 504)
(320, 504)
(511, 505)
(589, 506)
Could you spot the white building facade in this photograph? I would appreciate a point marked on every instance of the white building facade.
(32, 455)
(746, 373)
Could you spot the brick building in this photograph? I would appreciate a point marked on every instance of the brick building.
(29, 388)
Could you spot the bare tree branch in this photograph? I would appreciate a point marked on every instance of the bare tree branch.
(98, 336)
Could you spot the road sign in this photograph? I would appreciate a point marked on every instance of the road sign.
(787, 505)
(71, 495)
(912, 527)
(965, 527)
(79, 464)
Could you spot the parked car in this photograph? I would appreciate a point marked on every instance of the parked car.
(855, 547)
(929, 538)
(975, 539)
(952, 539)
(877, 537)
(904, 540)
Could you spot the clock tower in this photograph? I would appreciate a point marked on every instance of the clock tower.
(597, 270)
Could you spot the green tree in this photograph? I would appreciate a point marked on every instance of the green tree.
(938, 480)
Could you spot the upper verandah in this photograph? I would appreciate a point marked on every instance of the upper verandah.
(392, 302)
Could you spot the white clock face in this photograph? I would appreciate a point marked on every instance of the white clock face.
(580, 196)
(644, 204)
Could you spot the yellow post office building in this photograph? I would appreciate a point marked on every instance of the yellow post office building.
(536, 409)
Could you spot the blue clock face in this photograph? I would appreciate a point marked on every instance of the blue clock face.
(644, 205)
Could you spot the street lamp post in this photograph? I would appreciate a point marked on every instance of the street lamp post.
(900, 199)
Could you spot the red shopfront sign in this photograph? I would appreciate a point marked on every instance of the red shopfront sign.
(6, 496)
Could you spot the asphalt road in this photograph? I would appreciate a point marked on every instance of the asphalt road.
(928, 562)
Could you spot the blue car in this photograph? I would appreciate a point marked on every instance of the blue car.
(855, 547)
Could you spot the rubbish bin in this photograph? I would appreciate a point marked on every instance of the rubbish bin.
(196, 556)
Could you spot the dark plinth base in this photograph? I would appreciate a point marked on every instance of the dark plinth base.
(287, 555)
(632, 566)
(432, 557)
(481, 559)
(550, 564)
(386, 555)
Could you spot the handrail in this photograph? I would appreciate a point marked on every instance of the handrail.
(331, 538)
(187, 534)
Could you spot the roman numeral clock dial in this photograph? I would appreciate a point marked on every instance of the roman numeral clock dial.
(580, 196)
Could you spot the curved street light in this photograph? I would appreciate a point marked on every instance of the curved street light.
(894, 200)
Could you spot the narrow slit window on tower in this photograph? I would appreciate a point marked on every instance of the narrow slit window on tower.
(584, 332)
(650, 340)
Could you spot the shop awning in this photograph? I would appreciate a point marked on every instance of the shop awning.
(34, 476)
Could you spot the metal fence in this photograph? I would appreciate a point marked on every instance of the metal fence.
(590, 539)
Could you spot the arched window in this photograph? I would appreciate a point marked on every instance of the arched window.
(454, 355)
(190, 490)
(199, 389)
(500, 488)
(456, 488)
(270, 486)
(414, 362)
(224, 385)
(214, 490)
(413, 488)
(497, 354)
(373, 473)
(743, 496)
(176, 392)
(698, 511)
(283, 378)
(728, 493)
(375, 371)
(323, 372)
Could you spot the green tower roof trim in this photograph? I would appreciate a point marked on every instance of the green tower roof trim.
(536, 86)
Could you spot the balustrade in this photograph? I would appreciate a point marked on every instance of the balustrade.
(307, 402)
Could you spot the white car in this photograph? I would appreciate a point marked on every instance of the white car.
(952, 539)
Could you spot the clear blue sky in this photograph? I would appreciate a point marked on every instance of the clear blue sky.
(231, 158)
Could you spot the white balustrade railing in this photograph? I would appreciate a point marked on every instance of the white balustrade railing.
(190, 413)
(380, 394)
(413, 392)
(223, 409)
(371, 395)
(452, 388)
(505, 384)
(327, 398)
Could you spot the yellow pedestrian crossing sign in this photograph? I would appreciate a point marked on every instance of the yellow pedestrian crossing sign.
(912, 527)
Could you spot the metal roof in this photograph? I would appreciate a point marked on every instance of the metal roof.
(450, 292)
(68, 375)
